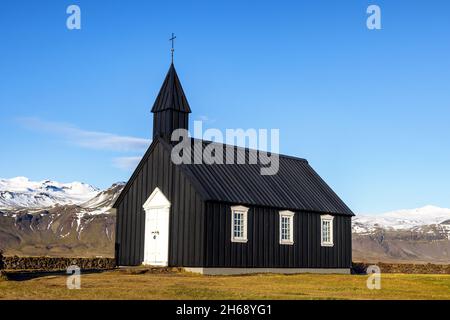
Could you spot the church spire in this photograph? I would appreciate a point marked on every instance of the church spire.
(171, 108)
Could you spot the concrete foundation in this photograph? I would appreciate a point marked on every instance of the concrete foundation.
(237, 271)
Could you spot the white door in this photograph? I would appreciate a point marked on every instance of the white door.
(156, 244)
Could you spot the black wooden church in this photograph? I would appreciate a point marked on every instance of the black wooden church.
(226, 218)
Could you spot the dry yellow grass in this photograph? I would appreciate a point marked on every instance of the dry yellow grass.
(121, 285)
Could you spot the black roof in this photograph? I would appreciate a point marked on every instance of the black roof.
(171, 94)
(295, 186)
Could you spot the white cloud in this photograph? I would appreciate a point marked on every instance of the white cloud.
(85, 138)
(206, 119)
(126, 163)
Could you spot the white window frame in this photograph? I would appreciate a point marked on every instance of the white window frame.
(290, 216)
(244, 211)
(330, 219)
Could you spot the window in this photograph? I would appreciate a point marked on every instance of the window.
(239, 224)
(326, 226)
(286, 227)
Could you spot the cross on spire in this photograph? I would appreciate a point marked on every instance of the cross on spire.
(173, 43)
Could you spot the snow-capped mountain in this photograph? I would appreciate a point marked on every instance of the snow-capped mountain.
(413, 219)
(73, 219)
(20, 192)
(419, 235)
(57, 219)
(103, 200)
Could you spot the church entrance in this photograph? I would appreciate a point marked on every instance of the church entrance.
(156, 244)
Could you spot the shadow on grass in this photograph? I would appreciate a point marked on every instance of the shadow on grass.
(24, 275)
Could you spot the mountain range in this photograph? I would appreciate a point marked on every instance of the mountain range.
(73, 219)
(56, 219)
(416, 235)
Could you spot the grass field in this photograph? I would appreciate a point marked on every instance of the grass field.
(125, 285)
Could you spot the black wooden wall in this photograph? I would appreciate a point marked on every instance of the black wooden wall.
(263, 248)
(186, 212)
(200, 233)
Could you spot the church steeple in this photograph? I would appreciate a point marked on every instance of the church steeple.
(171, 108)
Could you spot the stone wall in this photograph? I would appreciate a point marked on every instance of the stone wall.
(56, 264)
(360, 268)
(61, 264)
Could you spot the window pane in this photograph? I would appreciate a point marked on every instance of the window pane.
(326, 231)
(238, 224)
(285, 228)
(323, 232)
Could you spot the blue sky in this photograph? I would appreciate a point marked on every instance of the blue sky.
(370, 110)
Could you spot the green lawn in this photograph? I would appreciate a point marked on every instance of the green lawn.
(120, 284)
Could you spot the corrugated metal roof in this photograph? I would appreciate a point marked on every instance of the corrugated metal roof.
(295, 186)
(171, 95)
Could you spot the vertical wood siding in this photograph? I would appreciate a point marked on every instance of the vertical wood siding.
(164, 123)
(186, 214)
(263, 248)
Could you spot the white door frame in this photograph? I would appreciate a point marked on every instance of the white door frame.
(157, 208)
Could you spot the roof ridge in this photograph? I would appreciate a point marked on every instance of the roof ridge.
(251, 149)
